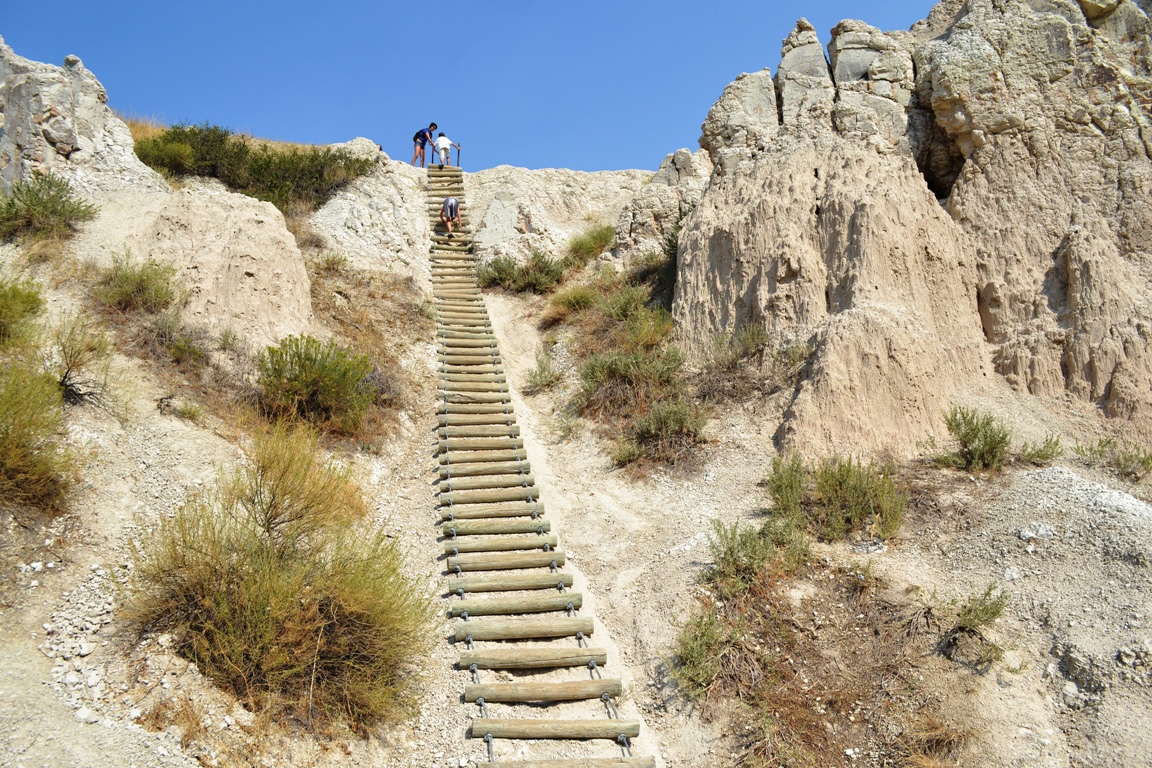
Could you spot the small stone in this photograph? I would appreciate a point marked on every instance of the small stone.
(86, 648)
(1071, 695)
(86, 715)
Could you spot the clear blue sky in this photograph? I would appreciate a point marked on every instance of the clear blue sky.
(586, 84)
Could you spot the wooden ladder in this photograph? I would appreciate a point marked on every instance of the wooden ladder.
(506, 580)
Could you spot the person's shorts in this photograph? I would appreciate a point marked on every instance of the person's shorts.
(450, 208)
(422, 143)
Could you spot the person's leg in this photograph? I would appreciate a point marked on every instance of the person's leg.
(415, 152)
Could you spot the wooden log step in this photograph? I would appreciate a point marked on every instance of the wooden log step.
(510, 582)
(489, 496)
(470, 369)
(477, 386)
(454, 294)
(469, 359)
(438, 249)
(482, 511)
(500, 544)
(510, 606)
(580, 762)
(468, 308)
(475, 334)
(475, 397)
(510, 561)
(490, 527)
(531, 628)
(487, 342)
(480, 469)
(493, 481)
(474, 408)
(460, 419)
(575, 690)
(554, 729)
(445, 349)
(480, 430)
(497, 378)
(532, 658)
(460, 458)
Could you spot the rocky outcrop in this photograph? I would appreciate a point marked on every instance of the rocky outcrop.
(238, 264)
(1030, 122)
(826, 242)
(658, 207)
(379, 221)
(56, 119)
(516, 211)
(1050, 110)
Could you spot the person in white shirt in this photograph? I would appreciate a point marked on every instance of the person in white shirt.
(444, 146)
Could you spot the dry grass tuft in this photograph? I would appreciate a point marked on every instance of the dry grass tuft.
(272, 587)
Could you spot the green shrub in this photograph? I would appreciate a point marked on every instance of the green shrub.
(501, 271)
(982, 440)
(539, 274)
(739, 556)
(787, 485)
(982, 609)
(669, 427)
(846, 494)
(625, 302)
(303, 176)
(644, 329)
(128, 287)
(269, 583)
(20, 301)
(1126, 458)
(701, 647)
(727, 353)
(836, 497)
(625, 451)
(1042, 454)
(43, 207)
(589, 245)
(575, 299)
(617, 384)
(325, 384)
(543, 376)
(35, 466)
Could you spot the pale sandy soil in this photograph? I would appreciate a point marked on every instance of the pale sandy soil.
(637, 546)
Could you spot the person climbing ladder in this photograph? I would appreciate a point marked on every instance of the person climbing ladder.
(444, 147)
(421, 139)
(450, 213)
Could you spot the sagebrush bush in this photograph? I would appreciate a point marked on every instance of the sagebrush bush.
(981, 609)
(539, 274)
(41, 208)
(1126, 458)
(270, 585)
(668, 428)
(131, 287)
(847, 494)
(587, 246)
(306, 176)
(35, 465)
(1042, 454)
(543, 376)
(700, 649)
(739, 553)
(618, 384)
(837, 496)
(982, 440)
(324, 383)
(20, 301)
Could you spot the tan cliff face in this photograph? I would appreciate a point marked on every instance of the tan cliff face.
(920, 205)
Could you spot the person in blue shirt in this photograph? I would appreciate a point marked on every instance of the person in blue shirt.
(422, 138)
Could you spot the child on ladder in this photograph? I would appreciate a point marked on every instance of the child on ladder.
(444, 146)
(450, 213)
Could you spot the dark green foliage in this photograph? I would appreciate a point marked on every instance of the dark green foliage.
(298, 176)
(43, 207)
(982, 440)
(20, 301)
(325, 384)
(617, 384)
(1042, 454)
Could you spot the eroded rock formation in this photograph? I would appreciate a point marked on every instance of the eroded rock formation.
(56, 119)
(821, 221)
(657, 208)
